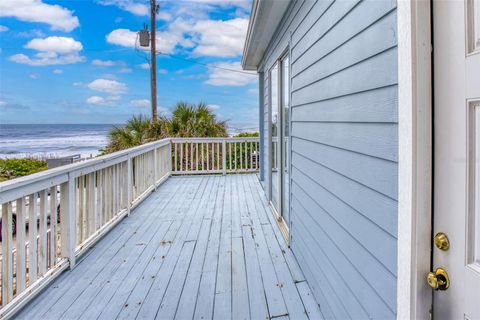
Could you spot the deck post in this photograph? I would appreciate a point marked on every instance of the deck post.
(224, 157)
(68, 220)
(129, 183)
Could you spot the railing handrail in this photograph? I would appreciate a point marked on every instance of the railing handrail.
(63, 173)
(229, 139)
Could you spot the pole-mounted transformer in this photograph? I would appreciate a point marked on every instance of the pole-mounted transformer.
(144, 36)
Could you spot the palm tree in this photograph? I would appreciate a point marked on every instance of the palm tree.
(132, 134)
(194, 121)
(187, 120)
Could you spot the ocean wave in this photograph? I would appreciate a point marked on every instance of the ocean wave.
(57, 140)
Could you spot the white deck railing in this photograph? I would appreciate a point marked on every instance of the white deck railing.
(215, 155)
(73, 206)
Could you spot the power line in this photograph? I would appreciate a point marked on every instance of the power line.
(204, 64)
(176, 57)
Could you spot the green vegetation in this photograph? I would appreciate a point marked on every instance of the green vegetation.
(247, 135)
(187, 120)
(13, 168)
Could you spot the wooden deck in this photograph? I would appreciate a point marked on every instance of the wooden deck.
(200, 247)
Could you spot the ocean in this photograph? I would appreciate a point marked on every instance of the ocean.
(52, 140)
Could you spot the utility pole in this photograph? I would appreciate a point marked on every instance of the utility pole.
(153, 64)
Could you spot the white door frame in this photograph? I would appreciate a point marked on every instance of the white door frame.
(414, 297)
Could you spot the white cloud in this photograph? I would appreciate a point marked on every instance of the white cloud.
(225, 3)
(138, 8)
(42, 59)
(108, 86)
(140, 103)
(62, 45)
(213, 107)
(52, 51)
(107, 63)
(145, 66)
(58, 71)
(58, 17)
(77, 84)
(162, 71)
(34, 76)
(220, 38)
(165, 16)
(3, 28)
(253, 91)
(125, 70)
(33, 33)
(166, 41)
(122, 37)
(101, 101)
(110, 76)
(219, 77)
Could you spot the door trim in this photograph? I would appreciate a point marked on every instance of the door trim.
(414, 297)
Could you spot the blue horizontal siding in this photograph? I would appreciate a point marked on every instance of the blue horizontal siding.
(344, 128)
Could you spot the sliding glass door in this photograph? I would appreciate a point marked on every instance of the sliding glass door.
(280, 137)
(285, 107)
(274, 135)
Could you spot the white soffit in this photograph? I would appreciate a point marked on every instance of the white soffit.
(264, 20)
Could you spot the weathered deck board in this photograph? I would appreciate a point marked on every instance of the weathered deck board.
(199, 247)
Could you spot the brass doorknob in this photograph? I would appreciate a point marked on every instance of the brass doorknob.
(438, 280)
(441, 241)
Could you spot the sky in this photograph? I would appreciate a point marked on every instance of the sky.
(79, 61)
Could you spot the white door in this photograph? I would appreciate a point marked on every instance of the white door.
(457, 155)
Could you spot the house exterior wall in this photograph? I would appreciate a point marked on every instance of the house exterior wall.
(344, 128)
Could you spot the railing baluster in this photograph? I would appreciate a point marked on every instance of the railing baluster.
(230, 155)
(181, 157)
(32, 233)
(42, 231)
(241, 156)
(130, 183)
(53, 223)
(257, 157)
(196, 156)
(246, 155)
(235, 158)
(7, 247)
(251, 155)
(67, 218)
(186, 157)
(224, 157)
(21, 256)
(91, 203)
(203, 159)
(208, 157)
(191, 156)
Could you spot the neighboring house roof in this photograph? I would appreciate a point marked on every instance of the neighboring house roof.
(264, 20)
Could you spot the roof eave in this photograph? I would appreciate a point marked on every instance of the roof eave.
(264, 20)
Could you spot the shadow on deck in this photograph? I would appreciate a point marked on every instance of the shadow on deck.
(200, 247)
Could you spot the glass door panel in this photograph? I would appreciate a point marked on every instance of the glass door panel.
(275, 163)
(285, 140)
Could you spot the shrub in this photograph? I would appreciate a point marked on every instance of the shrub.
(13, 168)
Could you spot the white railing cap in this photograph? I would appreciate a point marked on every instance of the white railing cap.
(60, 174)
